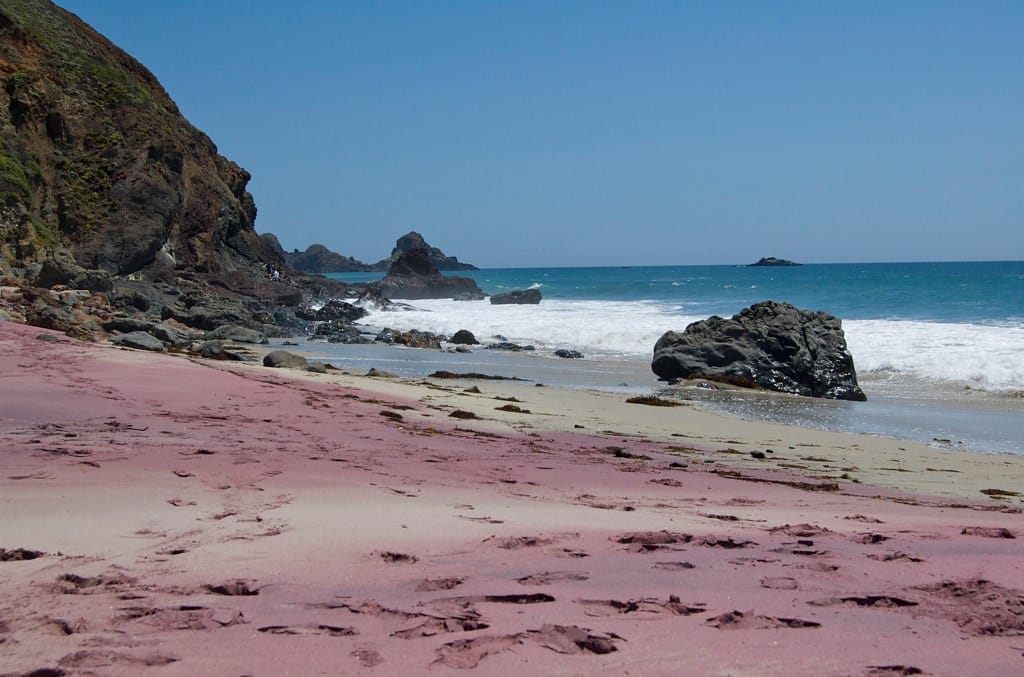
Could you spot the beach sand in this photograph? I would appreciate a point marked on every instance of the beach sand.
(168, 516)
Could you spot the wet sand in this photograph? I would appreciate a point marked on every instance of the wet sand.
(172, 517)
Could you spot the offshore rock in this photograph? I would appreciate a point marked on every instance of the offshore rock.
(770, 345)
(413, 240)
(521, 297)
(414, 276)
(770, 261)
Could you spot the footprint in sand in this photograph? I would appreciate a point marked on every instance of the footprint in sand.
(549, 577)
(739, 620)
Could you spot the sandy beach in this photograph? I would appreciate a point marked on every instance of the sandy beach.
(165, 515)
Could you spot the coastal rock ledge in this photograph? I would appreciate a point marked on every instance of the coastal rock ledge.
(770, 345)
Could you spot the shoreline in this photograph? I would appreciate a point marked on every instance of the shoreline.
(942, 417)
(226, 518)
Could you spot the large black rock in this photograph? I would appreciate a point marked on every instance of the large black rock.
(414, 276)
(771, 345)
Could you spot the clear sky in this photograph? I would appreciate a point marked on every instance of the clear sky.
(560, 133)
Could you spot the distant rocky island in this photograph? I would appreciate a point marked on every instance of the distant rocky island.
(318, 259)
(770, 261)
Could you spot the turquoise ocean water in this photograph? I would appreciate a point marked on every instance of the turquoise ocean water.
(939, 347)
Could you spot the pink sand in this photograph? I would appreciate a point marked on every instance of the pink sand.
(154, 484)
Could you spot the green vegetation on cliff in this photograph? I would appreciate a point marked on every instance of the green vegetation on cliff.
(95, 155)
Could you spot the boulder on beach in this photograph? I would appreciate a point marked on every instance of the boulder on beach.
(464, 337)
(521, 297)
(139, 340)
(414, 276)
(770, 345)
(284, 359)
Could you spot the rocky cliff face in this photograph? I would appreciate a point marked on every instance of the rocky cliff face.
(96, 157)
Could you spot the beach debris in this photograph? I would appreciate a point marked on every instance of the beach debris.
(443, 374)
(653, 401)
(1000, 493)
(988, 532)
(236, 588)
(463, 414)
(511, 408)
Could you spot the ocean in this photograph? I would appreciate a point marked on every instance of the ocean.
(938, 347)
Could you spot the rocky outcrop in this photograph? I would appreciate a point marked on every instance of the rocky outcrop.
(413, 276)
(414, 240)
(520, 297)
(319, 259)
(96, 157)
(770, 261)
(769, 345)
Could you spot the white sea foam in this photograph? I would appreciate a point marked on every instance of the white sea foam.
(986, 357)
(982, 356)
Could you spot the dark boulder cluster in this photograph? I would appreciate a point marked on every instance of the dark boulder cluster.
(770, 345)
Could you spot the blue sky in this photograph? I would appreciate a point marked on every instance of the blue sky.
(602, 133)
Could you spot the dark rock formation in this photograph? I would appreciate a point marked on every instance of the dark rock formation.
(523, 297)
(339, 331)
(215, 350)
(319, 259)
(414, 240)
(96, 156)
(203, 311)
(235, 334)
(568, 354)
(139, 340)
(509, 346)
(413, 276)
(769, 261)
(769, 345)
(464, 337)
(412, 338)
(336, 309)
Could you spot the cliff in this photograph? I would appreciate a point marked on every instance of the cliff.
(96, 157)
